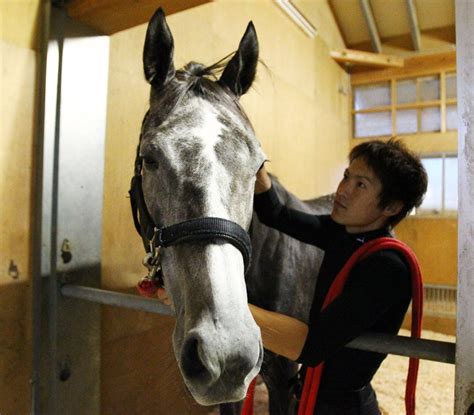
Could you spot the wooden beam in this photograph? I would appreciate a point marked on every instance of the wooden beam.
(111, 16)
(422, 143)
(414, 26)
(415, 66)
(357, 57)
(439, 40)
(370, 21)
(406, 106)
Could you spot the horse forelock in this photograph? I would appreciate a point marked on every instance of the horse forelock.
(209, 139)
(195, 79)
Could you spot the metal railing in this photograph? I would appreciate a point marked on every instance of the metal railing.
(434, 350)
(440, 300)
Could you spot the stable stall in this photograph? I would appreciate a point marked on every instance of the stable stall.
(73, 99)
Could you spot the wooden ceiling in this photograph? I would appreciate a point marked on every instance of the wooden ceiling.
(111, 16)
(397, 27)
(377, 33)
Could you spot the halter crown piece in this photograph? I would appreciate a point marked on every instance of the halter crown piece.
(155, 237)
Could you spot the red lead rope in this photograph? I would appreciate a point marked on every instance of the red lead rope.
(313, 374)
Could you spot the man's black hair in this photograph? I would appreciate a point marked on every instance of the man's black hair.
(400, 171)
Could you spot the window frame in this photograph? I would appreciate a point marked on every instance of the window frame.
(444, 212)
(424, 144)
(418, 105)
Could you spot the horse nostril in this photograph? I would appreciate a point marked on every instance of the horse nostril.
(191, 361)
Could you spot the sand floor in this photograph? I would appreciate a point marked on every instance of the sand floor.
(435, 386)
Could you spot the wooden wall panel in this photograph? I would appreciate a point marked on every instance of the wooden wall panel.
(434, 240)
(17, 114)
(20, 23)
(302, 120)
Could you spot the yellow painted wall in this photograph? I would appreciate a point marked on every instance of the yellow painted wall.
(303, 122)
(18, 60)
(434, 240)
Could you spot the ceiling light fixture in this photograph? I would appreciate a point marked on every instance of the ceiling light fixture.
(297, 17)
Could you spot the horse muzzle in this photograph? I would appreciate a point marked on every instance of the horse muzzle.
(218, 370)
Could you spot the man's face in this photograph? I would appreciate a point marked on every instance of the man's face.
(357, 199)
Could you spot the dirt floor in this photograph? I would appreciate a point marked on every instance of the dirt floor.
(434, 392)
(435, 387)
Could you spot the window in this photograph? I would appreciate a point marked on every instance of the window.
(451, 102)
(400, 106)
(442, 194)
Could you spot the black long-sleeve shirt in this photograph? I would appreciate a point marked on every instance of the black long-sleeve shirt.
(375, 297)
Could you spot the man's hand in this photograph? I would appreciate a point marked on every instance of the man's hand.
(163, 297)
(263, 181)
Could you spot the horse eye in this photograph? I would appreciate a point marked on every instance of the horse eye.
(149, 163)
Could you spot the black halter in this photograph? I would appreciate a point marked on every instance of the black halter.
(207, 228)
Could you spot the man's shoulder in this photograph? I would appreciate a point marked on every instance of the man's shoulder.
(389, 257)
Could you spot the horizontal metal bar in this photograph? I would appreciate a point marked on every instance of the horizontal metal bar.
(113, 298)
(425, 349)
(437, 351)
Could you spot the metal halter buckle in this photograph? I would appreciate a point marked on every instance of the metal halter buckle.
(152, 259)
(152, 263)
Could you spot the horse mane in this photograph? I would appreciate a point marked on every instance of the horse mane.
(193, 79)
(203, 81)
(201, 78)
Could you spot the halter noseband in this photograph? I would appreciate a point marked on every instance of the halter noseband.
(155, 237)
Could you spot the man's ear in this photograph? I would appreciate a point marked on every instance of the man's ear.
(393, 208)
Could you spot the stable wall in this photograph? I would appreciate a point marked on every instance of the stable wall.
(300, 110)
(18, 59)
(434, 240)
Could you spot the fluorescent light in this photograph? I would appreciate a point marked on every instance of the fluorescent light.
(297, 17)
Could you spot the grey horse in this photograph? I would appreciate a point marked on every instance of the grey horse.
(197, 158)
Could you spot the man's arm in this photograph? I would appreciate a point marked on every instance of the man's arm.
(281, 334)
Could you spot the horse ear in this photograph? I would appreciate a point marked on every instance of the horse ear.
(158, 51)
(239, 73)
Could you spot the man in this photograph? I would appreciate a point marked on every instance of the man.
(383, 183)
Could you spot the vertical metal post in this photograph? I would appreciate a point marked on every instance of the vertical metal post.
(36, 257)
(371, 25)
(464, 394)
(52, 290)
(414, 25)
(67, 238)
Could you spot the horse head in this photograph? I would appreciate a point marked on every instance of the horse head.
(198, 158)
